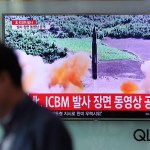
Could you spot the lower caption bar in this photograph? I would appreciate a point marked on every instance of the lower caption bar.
(103, 114)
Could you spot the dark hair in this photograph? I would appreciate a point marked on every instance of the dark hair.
(9, 63)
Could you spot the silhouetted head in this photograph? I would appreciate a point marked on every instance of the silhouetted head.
(10, 76)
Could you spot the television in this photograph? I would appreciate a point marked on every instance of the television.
(87, 66)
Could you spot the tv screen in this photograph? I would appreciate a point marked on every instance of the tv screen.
(84, 66)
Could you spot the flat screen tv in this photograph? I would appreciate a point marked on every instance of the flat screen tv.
(84, 65)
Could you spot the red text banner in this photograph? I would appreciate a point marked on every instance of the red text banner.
(93, 102)
(24, 22)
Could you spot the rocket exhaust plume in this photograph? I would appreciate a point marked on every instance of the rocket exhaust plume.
(94, 55)
(71, 71)
(129, 87)
(64, 75)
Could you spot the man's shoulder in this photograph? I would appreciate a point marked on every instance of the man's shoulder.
(41, 125)
(39, 113)
(44, 119)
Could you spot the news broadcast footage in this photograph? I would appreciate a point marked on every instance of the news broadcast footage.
(84, 66)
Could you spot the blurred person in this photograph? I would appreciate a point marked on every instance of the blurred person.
(27, 126)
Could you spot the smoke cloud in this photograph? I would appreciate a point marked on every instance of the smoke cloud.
(64, 75)
(145, 67)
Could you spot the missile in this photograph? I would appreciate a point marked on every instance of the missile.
(94, 55)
